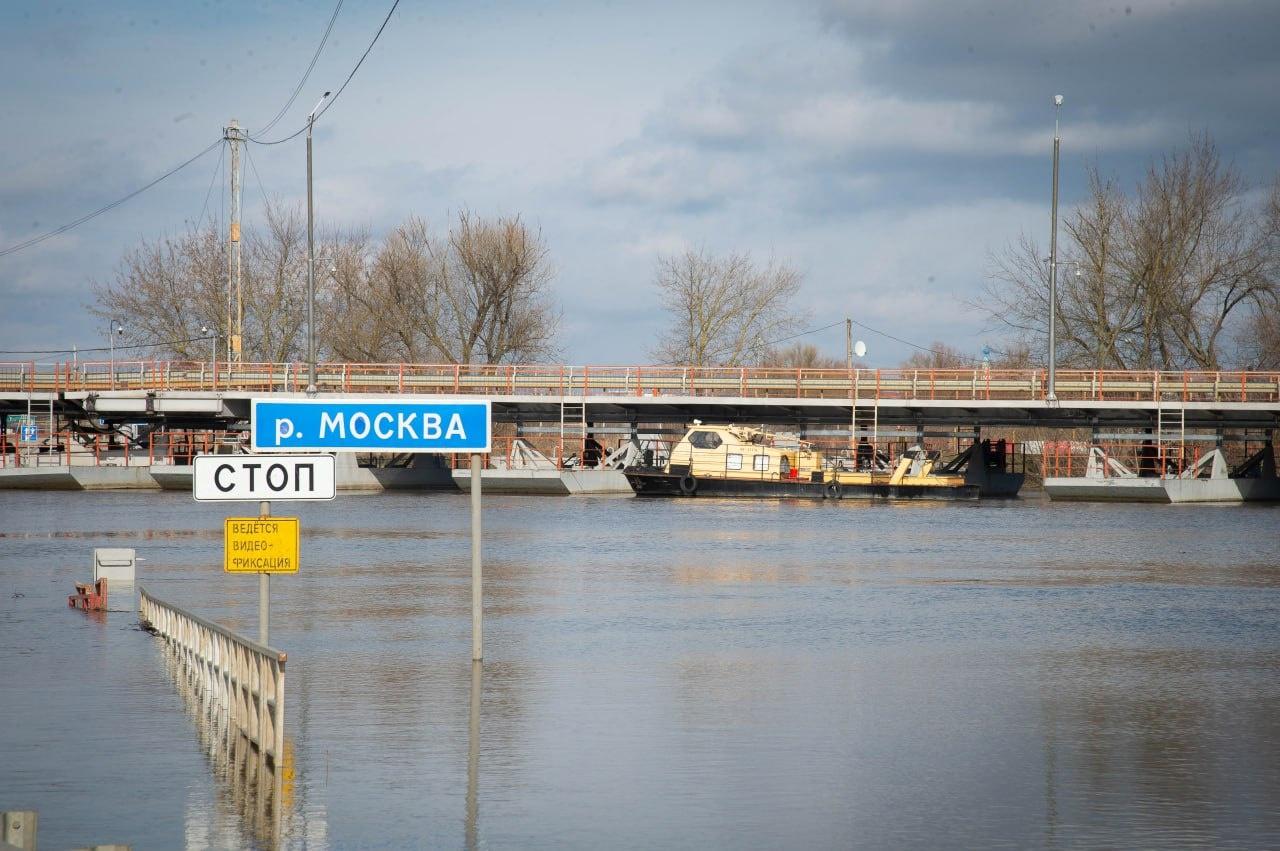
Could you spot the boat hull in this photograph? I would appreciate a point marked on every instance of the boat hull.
(1084, 489)
(660, 484)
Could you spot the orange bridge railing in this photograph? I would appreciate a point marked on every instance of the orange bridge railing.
(640, 381)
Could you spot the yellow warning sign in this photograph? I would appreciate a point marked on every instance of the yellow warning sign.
(260, 545)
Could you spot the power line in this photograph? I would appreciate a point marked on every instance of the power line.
(801, 334)
(314, 58)
(758, 346)
(917, 346)
(338, 93)
(262, 189)
(216, 169)
(104, 348)
(36, 240)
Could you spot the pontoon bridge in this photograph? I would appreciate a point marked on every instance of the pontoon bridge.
(562, 404)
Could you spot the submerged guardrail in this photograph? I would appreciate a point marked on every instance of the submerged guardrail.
(243, 678)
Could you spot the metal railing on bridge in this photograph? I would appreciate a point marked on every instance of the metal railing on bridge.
(70, 448)
(641, 381)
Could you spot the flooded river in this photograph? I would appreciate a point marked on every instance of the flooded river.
(696, 673)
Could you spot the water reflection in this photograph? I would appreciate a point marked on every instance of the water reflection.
(667, 675)
(1123, 725)
(253, 793)
(473, 758)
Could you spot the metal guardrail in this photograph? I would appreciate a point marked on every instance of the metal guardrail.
(750, 382)
(68, 448)
(244, 677)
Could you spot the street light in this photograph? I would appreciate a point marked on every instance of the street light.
(114, 327)
(213, 353)
(311, 272)
(1051, 395)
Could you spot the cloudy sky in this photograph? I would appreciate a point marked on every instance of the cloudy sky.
(883, 148)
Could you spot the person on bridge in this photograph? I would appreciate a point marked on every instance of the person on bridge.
(1148, 460)
(592, 452)
(864, 454)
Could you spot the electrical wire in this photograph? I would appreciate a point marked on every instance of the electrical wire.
(212, 180)
(801, 334)
(922, 348)
(36, 240)
(864, 326)
(266, 200)
(105, 348)
(298, 88)
(757, 347)
(338, 93)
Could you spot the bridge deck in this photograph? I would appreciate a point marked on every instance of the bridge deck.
(204, 391)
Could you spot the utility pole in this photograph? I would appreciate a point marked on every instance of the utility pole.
(848, 344)
(234, 134)
(1051, 394)
(311, 260)
(853, 393)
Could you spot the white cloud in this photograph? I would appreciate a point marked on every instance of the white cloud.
(650, 246)
(668, 176)
(852, 122)
(873, 144)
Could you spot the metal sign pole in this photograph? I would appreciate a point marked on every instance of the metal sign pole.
(477, 610)
(264, 588)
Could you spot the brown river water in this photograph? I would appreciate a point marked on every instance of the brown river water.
(684, 674)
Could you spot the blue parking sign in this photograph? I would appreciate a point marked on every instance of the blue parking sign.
(322, 425)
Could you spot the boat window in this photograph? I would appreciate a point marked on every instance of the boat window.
(733, 461)
(705, 440)
(760, 462)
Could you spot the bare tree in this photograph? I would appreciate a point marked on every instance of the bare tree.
(1015, 355)
(481, 293)
(167, 290)
(801, 356)
(355, 326)
(1152, 280)
(491, 302)
(275, 286)
(377, 309)
(939, 356)
(723, 311)
(1259, 339)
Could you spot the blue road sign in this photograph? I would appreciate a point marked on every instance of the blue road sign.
(320, 425)
(29, 433)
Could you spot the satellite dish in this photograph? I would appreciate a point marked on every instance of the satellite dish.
(860, 348)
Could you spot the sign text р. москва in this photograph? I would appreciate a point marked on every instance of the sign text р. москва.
(321, 425)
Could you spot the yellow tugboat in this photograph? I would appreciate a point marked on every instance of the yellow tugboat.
(732, 460)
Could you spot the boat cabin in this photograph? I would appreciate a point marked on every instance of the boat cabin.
(742, 452)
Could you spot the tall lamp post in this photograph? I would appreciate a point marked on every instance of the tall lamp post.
(213, 354)
(114, 327)
(1050, 393)
(311, 271)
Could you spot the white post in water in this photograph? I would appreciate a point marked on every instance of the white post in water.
(473, 759)
(264, 589)
(477, 609)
